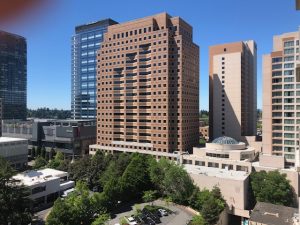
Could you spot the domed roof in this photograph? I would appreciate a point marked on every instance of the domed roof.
(225, 141)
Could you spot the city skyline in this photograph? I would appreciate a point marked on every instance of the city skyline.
(52, 27)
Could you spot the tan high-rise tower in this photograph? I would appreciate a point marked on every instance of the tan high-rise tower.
(148, 86)
(281, 102)
(232, 90)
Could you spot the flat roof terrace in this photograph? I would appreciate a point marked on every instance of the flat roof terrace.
(216, 172)
(33, 177)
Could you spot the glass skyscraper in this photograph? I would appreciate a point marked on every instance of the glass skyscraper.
(85, 43)
(13, 76)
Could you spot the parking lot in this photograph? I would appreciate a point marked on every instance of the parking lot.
(179, 216)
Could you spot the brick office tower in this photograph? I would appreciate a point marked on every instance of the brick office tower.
(148, 87)
(232, 90)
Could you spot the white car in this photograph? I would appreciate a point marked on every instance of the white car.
(131, 220)
(163, 212)
(185, 153)
(67, 192)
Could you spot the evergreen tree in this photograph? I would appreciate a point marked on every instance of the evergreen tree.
(14, 201)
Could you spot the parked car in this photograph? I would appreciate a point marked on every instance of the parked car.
(150, 221)
(138, 220)
(67, 192)
(163, 212)
(148, 213)
(131, 220)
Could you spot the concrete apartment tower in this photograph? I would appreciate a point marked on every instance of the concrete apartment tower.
(281, 102)
(148, 86)
(232, 90)
(85, 44)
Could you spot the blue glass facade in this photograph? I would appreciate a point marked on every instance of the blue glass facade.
(85, 44)
(13, 76)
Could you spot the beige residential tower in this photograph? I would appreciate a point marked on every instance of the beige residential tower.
(232, 90)
(281, 102)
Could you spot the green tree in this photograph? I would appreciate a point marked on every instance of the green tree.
(198, 198)
(52, 153)
(158, 171)
(178, 184)
(57, 161)
(14, 201)
(101, 219)
(43, 152)
(135, 178)
(211, 209)
(112, 192)
(33, 151)
(79, 170)
(38, 151)
(78, 208)
(99, 163)
(39, 162)
(198, 220)
(149, 196)
(115, 168)
(209, 203)
(46, 113)
(62, 214)
(171, 180)
(272, 187)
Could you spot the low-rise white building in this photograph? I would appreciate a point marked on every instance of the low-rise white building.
(46, 185)
(14, 150)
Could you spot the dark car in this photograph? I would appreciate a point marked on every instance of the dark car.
(138, 220)
(150, 221)
(153, 216)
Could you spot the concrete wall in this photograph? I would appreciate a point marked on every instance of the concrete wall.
(267, 105)
(15, 152)
(234, 191)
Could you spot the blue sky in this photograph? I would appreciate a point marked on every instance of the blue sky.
(49, 34)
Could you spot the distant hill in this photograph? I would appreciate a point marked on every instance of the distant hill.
(46, 113)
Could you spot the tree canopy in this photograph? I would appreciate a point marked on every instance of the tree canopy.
(125, 177)
(39, 162)
(79, 208)
(171, 180)
(272, 187)
(46, 113)
(14, 201)
(209, 203)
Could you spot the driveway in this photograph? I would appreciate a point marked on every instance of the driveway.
(41, 216)
(180, 216)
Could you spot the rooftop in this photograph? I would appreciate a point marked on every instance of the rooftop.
(216, 172)
(225, 141)
(95, 24)
(2, 32)
(10, 139)
(267, 213)
(33, 177)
